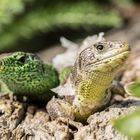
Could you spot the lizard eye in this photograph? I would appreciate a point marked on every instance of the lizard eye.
(21, 60)
(100, 47)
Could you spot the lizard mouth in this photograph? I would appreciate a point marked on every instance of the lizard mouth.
(122, 56)
(112, 61)
(112, 57)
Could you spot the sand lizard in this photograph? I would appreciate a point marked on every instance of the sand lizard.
(88, 86)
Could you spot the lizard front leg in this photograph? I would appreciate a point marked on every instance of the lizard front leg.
(60, 108)
(57, 108)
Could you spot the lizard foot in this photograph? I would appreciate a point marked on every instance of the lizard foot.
(60, 108)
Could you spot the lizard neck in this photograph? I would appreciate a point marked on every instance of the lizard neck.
(91, 93)
(94, 85)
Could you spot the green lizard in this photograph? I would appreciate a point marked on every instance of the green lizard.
(88, 86)
(25, 74)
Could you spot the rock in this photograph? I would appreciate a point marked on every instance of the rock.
(100, 123)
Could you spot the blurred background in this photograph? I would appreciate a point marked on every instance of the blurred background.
(36, 25)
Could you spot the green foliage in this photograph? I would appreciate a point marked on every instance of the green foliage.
(129, 125)
(134, 88)
(23, 19)
(9, 10)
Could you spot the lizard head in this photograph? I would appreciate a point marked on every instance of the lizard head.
(26, 74)
(103, 56)
(19, 62)
(19, 69)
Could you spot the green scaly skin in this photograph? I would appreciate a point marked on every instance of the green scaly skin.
(25, 74)
(90, 81)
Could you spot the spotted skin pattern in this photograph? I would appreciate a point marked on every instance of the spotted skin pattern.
(91, 77)
(25, 74)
